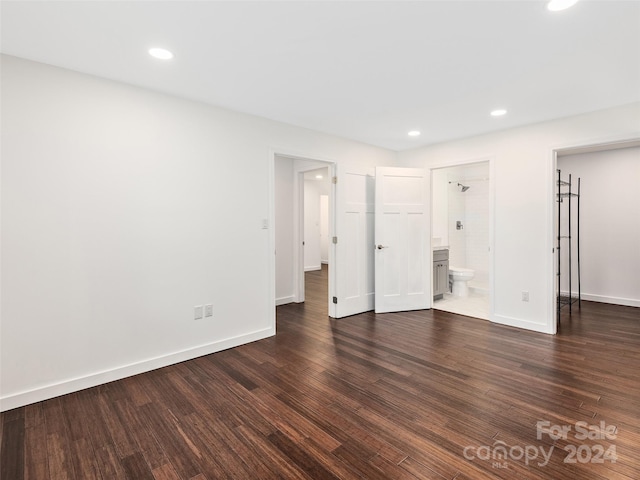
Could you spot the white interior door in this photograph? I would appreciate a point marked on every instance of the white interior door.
(402, 240)
(354, 252)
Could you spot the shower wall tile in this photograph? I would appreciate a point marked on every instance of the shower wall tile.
(457, 240)
(476, 232)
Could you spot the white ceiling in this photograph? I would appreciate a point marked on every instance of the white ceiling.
(311, 175)
(369, 71)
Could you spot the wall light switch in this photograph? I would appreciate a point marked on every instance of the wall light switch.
(265, 224)
(197, 312)
(525, 296)
(208, 310)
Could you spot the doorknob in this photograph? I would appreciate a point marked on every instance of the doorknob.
(380, 247)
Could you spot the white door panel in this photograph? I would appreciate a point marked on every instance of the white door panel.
(354, 250)
(402, 226)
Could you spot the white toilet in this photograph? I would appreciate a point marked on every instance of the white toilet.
(459, 278)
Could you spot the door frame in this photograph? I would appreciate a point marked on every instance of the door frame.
(594, 144)
(492, 205)
(314, 162)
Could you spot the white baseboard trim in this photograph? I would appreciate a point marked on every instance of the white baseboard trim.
(627, 302)
(46, 392)
(519, 323)
(285, 300)
(481, 289)
(313, 268)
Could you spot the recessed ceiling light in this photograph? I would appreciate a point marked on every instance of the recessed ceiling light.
(557, 5)
(319, 177)
(498, 113)
(161, 53)
(414, 133)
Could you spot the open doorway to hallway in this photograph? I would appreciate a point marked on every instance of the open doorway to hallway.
(461, 239)
(303, 224)
(315, 212)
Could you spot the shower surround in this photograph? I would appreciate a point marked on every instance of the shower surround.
(469, 245)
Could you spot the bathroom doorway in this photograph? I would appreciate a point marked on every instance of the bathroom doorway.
(461, 239)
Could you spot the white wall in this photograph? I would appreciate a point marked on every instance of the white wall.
(523, 203)
(609, 225)
(284, 224)
(122, 209)
(440, 207)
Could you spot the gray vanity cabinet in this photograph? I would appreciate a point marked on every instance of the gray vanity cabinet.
(440, 273)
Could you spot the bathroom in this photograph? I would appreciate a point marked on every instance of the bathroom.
(461, 239)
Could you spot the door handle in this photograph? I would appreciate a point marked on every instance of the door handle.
(380, 247)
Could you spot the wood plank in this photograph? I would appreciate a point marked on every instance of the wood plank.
(12, 457)
(58, 454)
(299, 457)
(36, 463)
(109, 462)
(166, 472)
(136, 467)
(172, 440)
(84, 461)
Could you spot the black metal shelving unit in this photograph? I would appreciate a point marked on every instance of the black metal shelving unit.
(565, 192)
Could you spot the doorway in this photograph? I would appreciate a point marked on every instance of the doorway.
(598, 258)
(316, 186)
(461, 239)
(303, 217)
(352, 287)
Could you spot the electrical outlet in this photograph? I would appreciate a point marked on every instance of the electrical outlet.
(208, 310)
(525, 296)
(197, 312)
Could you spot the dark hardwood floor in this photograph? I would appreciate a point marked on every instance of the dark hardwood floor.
(424, 394)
